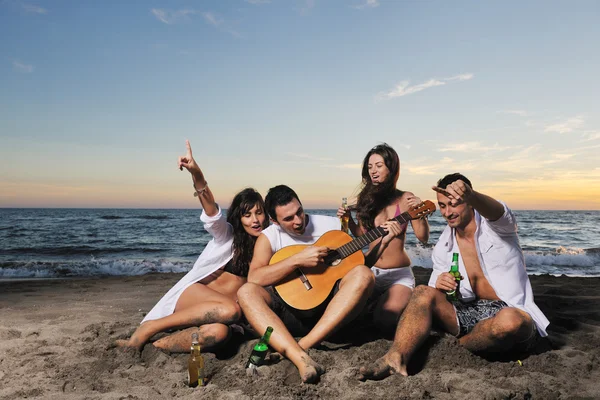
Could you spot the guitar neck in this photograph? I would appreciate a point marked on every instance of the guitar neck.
(372, 235)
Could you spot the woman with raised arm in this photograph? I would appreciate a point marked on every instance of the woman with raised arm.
(377, 203)
(204, 300)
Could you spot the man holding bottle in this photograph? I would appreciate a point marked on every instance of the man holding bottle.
(495, 311)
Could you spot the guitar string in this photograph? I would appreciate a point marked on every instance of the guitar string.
(357, 244)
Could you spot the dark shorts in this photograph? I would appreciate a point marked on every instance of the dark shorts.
(298, 322)
(469, 314)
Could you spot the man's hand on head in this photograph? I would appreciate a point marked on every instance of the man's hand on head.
(458, 192)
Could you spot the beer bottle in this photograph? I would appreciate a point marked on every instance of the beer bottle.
(195, 364)
(345, 218)
(259, 352)
(452, 295)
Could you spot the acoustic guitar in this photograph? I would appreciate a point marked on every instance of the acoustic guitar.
(307, 288)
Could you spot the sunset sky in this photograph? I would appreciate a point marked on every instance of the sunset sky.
(97, 98)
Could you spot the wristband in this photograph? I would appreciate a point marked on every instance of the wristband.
(198, 192)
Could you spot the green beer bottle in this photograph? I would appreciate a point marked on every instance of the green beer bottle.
(452, 295)
(259, 352)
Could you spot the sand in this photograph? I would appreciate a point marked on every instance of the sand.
(56, 342)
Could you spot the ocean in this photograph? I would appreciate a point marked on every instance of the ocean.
(55, 243)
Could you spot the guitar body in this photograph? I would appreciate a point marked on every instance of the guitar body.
(322, 278)
(308, 288)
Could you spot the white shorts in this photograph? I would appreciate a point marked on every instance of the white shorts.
(386, 278)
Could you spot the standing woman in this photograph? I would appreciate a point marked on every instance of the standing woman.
(205, 298)
(377, 203)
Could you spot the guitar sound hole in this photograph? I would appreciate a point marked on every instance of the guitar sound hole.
(333, 258)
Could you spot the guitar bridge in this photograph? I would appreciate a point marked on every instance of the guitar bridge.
(304, 279)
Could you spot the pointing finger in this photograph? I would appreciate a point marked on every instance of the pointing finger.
(189, 148)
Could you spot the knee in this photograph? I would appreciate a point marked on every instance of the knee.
(247, 291)
(213, 334)
(363, 276)
(232, 312)
(424, 293)
(508, 322)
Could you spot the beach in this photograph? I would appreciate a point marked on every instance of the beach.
(57, 335)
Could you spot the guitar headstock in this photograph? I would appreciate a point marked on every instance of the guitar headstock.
(422, 210)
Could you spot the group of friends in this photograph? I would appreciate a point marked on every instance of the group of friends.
(232, 281)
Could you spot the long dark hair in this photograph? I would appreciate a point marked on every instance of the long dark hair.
(243, 243)
(374, 198)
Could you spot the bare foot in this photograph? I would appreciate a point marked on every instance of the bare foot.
(141, 335)
(389, 364)
(309, 370)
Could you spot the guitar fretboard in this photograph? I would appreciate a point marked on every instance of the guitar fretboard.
(363, 240)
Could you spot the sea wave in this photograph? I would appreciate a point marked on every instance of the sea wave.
(78, 250)
(152, 217)
(560, 261)
(94, 267)
(568, 261)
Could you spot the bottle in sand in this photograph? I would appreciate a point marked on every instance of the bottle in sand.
(195, 364)
(345, 218)
(452, 295)
(259, 352)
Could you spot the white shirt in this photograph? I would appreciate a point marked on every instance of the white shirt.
(316, 227)
(501, 260)
(217, 253)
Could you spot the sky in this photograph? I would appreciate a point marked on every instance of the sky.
(97, 99)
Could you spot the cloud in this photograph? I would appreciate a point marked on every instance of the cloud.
(440, 167)
(368, 4)
(472, 147)
(170, 17)
(557, 158)
(349, 166)
(34, 9)
(306, 6)
(590, 135)
(19, 66)
(308, 156)
(566, 127)
(520, 113)
(423, 170)
(258, 2)
(461, 77)
(212, 19)
(403, 88)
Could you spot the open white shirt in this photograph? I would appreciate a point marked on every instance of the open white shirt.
(216, 254)
(501, 260)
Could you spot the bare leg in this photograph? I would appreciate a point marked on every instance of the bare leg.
(427, 305)
(355, 289)
(197, 305)
(390, 306)
(209, 336)
(500, 332)
(255, 302)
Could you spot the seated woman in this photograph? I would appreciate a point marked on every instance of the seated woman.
(377, 203)
(205, 298)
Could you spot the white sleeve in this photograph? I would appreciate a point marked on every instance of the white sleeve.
(217, 226)
(506, 224)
